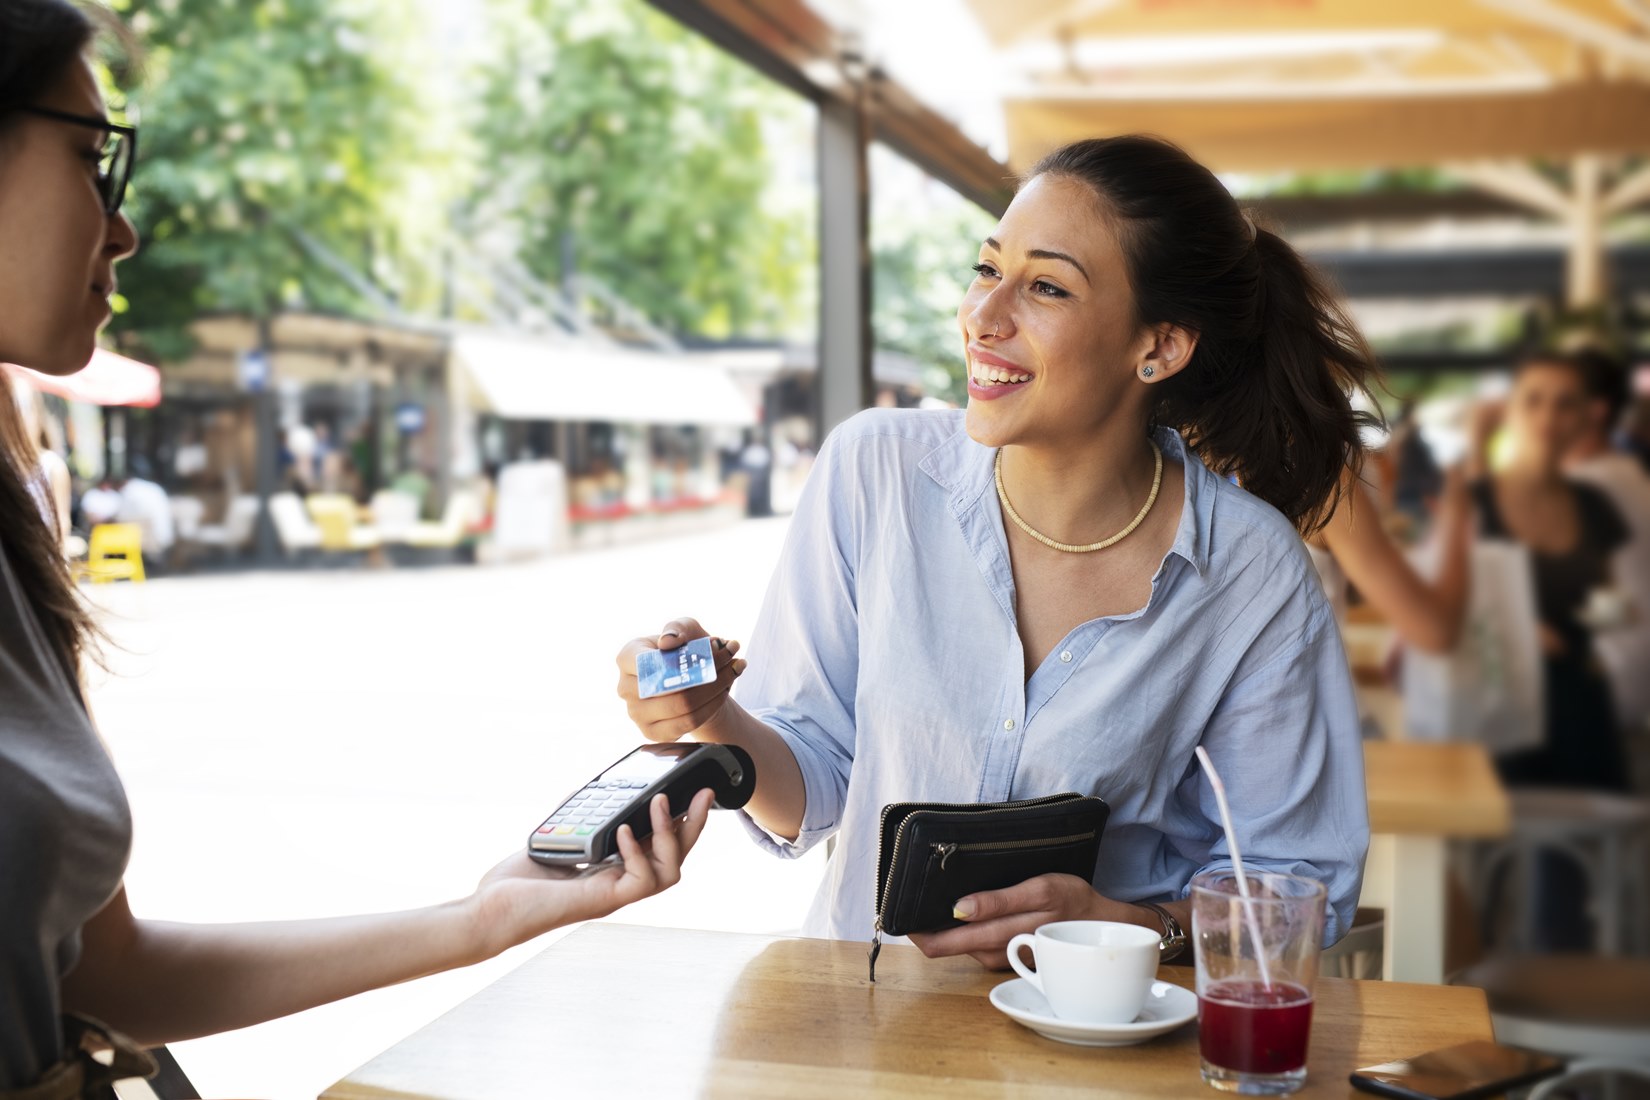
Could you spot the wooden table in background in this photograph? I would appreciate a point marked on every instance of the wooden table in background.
(621, 1011)
(1421, 796)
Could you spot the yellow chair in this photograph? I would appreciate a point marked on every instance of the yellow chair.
(334, 514)
(115, 551)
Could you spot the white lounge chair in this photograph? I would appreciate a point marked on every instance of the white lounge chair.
(234, 534)
(463, 509)
(394, 514)
(293, 526)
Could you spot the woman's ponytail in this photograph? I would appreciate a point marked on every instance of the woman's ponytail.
(1267, 396)
(1282, 423)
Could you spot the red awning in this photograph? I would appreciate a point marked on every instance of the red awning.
(109, 379)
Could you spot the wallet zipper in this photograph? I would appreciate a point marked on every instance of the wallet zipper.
(899, 842)
(944, 851)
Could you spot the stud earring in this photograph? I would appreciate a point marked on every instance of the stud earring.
(1147, 371)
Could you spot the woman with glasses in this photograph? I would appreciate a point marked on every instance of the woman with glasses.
(69, 943)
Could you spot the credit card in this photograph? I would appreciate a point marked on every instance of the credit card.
(660, 672)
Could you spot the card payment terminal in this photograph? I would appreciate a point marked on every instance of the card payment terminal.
(584, 828)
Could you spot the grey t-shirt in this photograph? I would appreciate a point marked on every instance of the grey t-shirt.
(65, 835)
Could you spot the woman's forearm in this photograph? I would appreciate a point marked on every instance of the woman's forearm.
(1425, 614)
(780, 797)
(1454, 584)
(160, 981)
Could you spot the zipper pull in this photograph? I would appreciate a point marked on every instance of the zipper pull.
(876, 947)
(944, 852)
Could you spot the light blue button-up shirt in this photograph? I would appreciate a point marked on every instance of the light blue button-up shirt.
(887, 657)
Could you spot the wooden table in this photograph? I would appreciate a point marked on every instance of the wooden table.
(618, 1011)
(1421, 795)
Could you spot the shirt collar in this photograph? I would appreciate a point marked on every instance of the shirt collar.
(966, 470)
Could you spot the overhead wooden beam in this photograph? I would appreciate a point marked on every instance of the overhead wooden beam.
(1629, 191)
(1518, 182)
(1584, 272)
(1010, 21)
(788, 42)
(1058, 16)
(1573, 24)
(1638, 9)
(784, 40)
(1262, 87)
(933, 144)
(1271, 136)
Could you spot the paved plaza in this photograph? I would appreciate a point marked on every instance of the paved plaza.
(316, 742)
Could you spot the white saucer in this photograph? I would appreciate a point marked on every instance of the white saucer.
(1167, 1007)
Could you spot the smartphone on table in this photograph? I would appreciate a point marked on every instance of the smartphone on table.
(1464, 1072)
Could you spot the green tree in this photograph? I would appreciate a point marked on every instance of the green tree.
(264, 122)
(615, 140)
(923, 243)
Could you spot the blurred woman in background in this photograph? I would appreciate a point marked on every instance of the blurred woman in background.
(1596, 460)
(1572, 531)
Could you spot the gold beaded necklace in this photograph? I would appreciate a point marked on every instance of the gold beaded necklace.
(1008, 509)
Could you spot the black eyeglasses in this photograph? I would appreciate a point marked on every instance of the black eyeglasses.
(114, 169)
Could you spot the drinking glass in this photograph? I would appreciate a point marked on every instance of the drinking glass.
(1253, 1021)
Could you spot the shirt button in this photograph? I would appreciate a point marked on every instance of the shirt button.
(1066, 656)
(1008, 725)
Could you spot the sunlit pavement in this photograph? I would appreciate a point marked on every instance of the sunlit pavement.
(330, 741)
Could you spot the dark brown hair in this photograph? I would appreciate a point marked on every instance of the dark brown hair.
(39, 40)
(1607, 380)
(1266, 397)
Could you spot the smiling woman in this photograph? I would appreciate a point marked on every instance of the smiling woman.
(1115, 603)
(1126, 246)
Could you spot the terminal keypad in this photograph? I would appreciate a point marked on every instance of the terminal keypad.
(592, 807)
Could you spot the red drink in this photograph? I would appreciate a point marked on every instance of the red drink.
(1246, 1027)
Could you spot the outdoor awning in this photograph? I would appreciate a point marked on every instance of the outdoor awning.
(109, 379)
(1289, 85)
(522, 378)
(1242, 133)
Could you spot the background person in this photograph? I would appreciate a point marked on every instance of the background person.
(145, 503)
(101, 503)
(68, 939)
(1573, 532)
(1595, 460)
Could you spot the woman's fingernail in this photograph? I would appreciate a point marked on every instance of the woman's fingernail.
(669, 633)
(964, 909)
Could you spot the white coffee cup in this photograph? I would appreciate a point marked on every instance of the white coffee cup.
(1090, 971)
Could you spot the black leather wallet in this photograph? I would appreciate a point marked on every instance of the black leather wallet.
(932, 853)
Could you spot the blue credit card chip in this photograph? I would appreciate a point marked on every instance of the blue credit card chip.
(662, 671)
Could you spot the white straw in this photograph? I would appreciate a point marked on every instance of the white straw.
(1237, 863)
